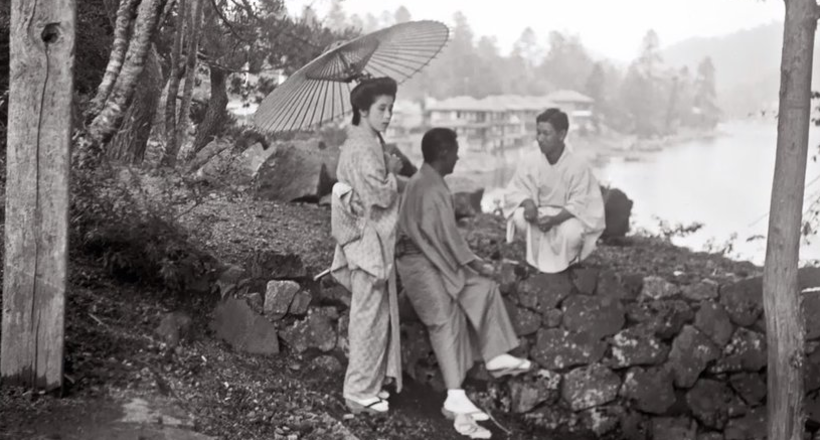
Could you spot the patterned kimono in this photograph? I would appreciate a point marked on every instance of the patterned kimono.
(364, 212)
(568, 184)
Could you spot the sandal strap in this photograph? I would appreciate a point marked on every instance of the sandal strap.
(374, 403)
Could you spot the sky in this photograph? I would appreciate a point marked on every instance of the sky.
(608, 28)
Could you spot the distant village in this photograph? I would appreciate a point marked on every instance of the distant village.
(489, 124)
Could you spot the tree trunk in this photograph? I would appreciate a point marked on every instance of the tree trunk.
(106, 123)
(183, 121)
(42, 35)
(781, 294)
(171, 147)
(128, 145)
(125, 18)
(216, 114)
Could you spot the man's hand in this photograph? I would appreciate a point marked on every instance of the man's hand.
(530, 211)
(483, 268)
(394, 164)
(547, 222)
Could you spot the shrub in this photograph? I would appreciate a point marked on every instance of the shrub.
(127, 220)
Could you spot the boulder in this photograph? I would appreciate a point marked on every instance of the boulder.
(749, 386)
(468, 204)
(508, 277)
(617, 210)
(751, 426)
(300, 303)
(745, 352)
(529, 391)
(589, 387)
(674, 428)
(219, 162)
(811, 310)
(556, 349)
(336, 295)
(245, 330)
(595, 316)
(812, 371)
(650, 390)
(635, 425)
(544, 291)
(637, 346)
(229, 280)
(278, 297)
(691, 352)
(297, 171)
(173, 327)
(585, 280)
(552, 318)
(271, 265)
(553, 418)
(524, 321)
(714, 322)
(743, 300)
(709, 401)
(664, 318)
(658, 288)
(614, 284)
(704, 290)
(602, 420)
(316, 331)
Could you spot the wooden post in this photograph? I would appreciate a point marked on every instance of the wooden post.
(36, 235)
(781, 295)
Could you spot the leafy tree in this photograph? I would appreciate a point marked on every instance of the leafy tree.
(567, 64)
(643, 89)
(402, 15)
(705, 99)
(371, 23)
(594, 88)
(490, 71)
(336, 18)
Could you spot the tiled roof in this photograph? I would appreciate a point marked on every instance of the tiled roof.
(495, 103)
(569, 96)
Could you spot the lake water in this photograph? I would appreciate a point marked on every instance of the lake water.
(724, 183)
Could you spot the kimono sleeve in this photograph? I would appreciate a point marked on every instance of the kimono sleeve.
(376, 187)
(439, 225)
(522, 186)
(584, 200)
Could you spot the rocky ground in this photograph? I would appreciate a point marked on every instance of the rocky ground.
(113, 350)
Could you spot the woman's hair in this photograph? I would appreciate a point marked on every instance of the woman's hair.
(365, 93)
(555, 117)
(436, 142)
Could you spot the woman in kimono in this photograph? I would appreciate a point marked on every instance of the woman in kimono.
(364, 215)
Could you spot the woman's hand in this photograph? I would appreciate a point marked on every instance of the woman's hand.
(394, 163)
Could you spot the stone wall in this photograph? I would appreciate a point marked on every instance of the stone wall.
(618, 354)
(633, 357)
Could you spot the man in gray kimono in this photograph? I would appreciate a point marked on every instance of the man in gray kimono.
(447, 284)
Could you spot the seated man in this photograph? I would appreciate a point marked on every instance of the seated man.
(462, 310)
(554, 201)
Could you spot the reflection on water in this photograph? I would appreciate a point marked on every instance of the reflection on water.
(724, 183)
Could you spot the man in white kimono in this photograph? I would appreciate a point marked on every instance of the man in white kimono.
(554, 201)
